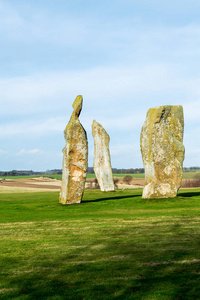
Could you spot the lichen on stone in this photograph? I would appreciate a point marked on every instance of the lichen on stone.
(102, 161)
(162, 149)
(75, 158)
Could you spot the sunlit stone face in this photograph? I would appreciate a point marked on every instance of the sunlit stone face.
(102, 162)
(162, 149)
(75, 158)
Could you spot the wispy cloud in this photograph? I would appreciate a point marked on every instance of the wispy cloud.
(102, 85)
(29, 152)
(100, 38)
(45, 126)
(39, 26)
(122, 56)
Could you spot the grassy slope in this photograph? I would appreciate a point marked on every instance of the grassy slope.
(112, 246)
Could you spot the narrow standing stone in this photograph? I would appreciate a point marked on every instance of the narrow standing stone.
(162, 151)
(75, 158)
(102, 162)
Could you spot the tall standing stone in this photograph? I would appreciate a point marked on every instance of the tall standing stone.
(102, 162)
(75, 158)
(162, 151)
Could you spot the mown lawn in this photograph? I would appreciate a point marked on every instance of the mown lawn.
(112, 246)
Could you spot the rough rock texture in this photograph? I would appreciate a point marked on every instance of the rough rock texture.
(102, 163)
(162, 151)
(75, 158)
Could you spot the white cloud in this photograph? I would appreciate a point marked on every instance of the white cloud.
(122, 38)
(29, 152)
(45, 126)
(36, 25)
(130, 121)
(145, 61)
(100, 85)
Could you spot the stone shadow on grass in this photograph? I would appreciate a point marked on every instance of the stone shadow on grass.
(110, 198)
(189, 194)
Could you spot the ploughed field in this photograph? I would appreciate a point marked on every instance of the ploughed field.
(37, 184)
(22, 184)
(111, 246)
(29, 184)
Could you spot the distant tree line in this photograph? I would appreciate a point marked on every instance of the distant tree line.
(29, 172)
(90, 171)
(59, 171)
(121, 171)
(128, 171)
(18, 173)
(191, 169)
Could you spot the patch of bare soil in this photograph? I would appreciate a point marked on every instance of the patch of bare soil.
(30, 184)
(135, 183)
(39, 184)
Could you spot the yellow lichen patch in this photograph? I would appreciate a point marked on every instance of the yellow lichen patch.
(162, 151)
(75, 154)
(77, 105)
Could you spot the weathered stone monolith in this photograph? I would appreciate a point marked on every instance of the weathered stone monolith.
(75, 158)
(102, 162)
(162, 151)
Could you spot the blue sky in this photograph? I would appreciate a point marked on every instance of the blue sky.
(123, 56)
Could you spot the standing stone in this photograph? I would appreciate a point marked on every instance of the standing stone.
(75, 158)
(162, 151)
(102, 162)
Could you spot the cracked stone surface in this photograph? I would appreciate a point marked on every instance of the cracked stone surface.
(102, 161)
(75, 158)
(162, 149)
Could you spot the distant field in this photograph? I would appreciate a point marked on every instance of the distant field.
(186, 175)
(189, 175)
(111, 246)
(119, 175)
(59, 176)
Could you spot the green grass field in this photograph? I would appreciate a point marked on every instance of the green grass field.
(189, 175)
(186, 175)
(111, 246)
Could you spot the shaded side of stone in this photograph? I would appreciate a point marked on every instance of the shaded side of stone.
(75, 158)
(102, 162)
(162, 149)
